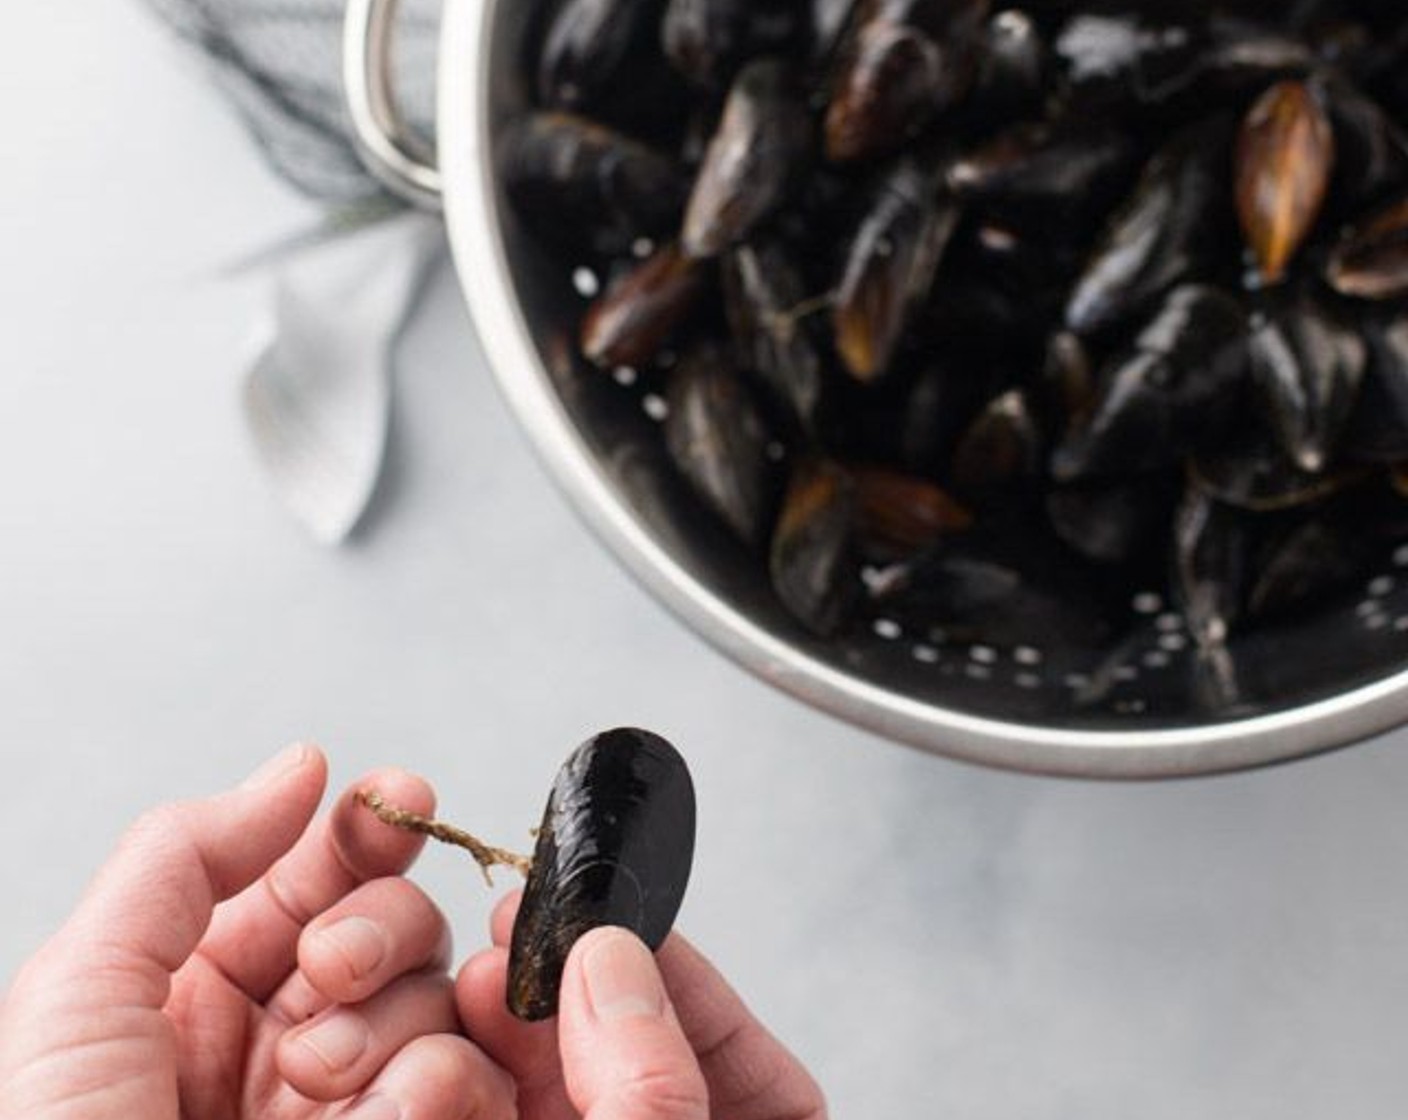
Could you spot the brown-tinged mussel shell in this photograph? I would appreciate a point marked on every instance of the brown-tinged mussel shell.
(1371, 260)
(615, 848)
(906, 62)
(1004, 446)
(899, 514)
(891, 267)
(719, 440)
(815, 559)
(1307, 367)
(1176, 387)
(589, 186)
(628, 323)
(1166, 229)
(761, 146)
(1284, 163)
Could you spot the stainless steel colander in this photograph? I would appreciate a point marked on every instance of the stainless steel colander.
(1036, 703)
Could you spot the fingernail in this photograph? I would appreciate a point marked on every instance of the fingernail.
(338, 1041)
(378, 1106)
(621, 978)
(287, 760)
(362, 944)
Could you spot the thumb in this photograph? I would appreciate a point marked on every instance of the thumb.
(624, 1056)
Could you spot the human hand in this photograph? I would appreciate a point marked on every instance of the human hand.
(637, 1037)
(318, 986)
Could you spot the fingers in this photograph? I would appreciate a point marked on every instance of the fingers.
(151, 903)
(438, 1077)
(254, 938)
(382, 930)
(338, 1052)
(624, 1054)
(528, 1051)
(751, 1075)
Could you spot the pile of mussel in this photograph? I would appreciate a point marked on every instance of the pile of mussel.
(987, 318)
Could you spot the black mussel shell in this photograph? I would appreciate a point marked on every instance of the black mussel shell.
(1013, 71)
(906, 62)
(1306, 564)
(707, 40)
(615, 848)
(815, 562)
(773, 328)
(1212, 560)
(891, 267)
(756, 155)
(1371, 163)
(1005, 445)
(899, 514)
(583, 184)
(1113, 522)
(1172, 392)
(588, 45)
(1308, 368)
(1169, 225)
(719, 441)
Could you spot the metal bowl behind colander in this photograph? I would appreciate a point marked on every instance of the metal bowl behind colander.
(1138, 709)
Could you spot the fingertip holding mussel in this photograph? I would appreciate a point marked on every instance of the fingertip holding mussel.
(615, 847)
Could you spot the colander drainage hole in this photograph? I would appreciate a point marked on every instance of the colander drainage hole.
(586, 282)
(655, 406)
(887, 628)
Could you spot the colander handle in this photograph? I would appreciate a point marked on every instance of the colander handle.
(391, 151)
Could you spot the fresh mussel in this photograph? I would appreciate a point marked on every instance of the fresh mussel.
(718, 439)
(706, 40)
(1371, 261)
(589, 45)
(755, 156)
(1167, 228)
(631, 320)
(907, 61)
(1285, 159)
(1175, 389)
(590, 186)
(891, 267)
(1308, 368)
(614, 848)
(815, 562)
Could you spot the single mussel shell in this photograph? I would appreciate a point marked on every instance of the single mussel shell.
(629, 323)
(906, 62)
(754, 158)
(1169, 225)
(1004, 446)
(1039, 172)
(1308, 368)
(1168, 395)
(1371, 260)
(891, 267)
(586, 185)
(1013, 70)
(588, 46)
(707, 40)
(1371, 161)
(1283, 166)
(719, 440)
(815, 564)
(899, 514)
(770, 319)
(615, 848)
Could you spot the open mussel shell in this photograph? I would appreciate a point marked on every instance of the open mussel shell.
(615, 848)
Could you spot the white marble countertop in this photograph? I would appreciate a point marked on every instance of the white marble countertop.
(932, 939)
